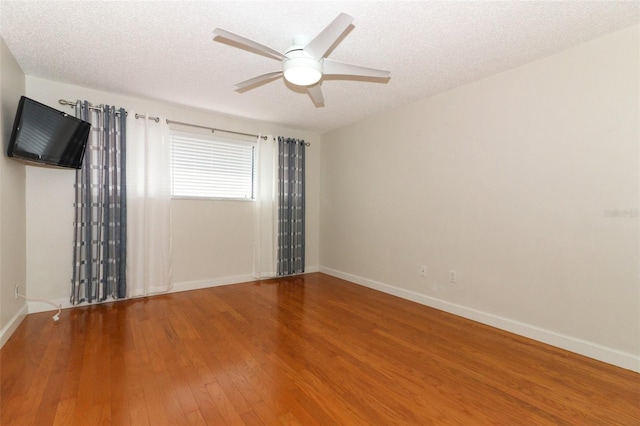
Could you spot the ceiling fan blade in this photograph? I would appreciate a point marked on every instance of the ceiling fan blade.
(316, 95)
(342, 68)
(259, 79)
(327, 37)
(248, 43)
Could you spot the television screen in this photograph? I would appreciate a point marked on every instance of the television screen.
(44, 135)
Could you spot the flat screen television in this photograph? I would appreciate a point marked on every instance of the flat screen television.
(46, 136)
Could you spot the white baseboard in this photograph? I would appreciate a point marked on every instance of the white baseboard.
(12, 325)
(36, 307)
(569, 343)
(216, 282)
(195, 285)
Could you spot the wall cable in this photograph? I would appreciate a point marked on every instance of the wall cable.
(56, 317)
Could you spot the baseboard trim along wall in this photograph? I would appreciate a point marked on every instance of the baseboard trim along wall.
(35, 307)
(215, 282)
(12, 325)
(592, 350)
(572, 344)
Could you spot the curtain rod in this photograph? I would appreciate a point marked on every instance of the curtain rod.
(213, 130)
(156, 119)
(99, 107)
(91, 106)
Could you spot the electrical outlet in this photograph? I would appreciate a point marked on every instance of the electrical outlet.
(453, 276)
(15, 293)
(423, 270)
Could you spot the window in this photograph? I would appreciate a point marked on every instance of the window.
(211, 167)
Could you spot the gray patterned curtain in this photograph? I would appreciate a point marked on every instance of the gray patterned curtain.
(99, 257)
(291, 206)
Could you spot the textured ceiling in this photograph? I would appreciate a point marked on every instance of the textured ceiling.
(164, 50)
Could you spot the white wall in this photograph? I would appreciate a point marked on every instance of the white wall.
(512, 182)
(12, 201)
(212, 240)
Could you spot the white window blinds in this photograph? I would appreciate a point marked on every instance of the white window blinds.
(211, 167)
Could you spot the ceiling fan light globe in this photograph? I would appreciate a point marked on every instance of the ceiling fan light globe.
(302, 71)
(302, 76)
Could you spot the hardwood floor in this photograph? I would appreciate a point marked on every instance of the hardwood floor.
(306, 350)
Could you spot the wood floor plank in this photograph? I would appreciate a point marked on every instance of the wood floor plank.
(304, 350)
(64, 412)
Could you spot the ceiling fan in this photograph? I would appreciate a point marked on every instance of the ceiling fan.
(304, 63)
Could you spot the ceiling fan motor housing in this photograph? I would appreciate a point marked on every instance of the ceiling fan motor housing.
(299, 67)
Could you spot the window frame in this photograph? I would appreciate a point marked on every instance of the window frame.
(205, 137)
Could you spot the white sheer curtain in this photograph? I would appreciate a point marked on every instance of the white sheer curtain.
(265, 243)
(149, 206)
